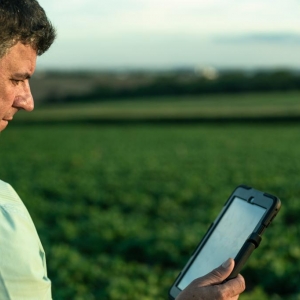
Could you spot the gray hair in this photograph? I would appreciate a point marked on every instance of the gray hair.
(24, 21)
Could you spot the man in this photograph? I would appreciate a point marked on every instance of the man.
(25, 32)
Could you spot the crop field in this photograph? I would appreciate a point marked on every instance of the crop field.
(120, 209)
(235, 106)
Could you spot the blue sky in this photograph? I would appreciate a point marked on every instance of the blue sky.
(117, 34)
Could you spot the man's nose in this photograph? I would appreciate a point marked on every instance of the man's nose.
(24, 99)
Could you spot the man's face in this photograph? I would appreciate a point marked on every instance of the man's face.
(16, 67)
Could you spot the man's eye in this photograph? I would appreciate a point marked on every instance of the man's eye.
(15, 81)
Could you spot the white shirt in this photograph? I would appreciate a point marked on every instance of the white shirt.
(23, 272)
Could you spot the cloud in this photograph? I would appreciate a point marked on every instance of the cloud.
(254, 38)
(150, 32)
(97, 18)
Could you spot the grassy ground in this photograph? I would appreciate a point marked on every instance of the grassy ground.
(261, 105)
(120, 209)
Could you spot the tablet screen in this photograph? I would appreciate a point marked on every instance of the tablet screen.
(226, 240)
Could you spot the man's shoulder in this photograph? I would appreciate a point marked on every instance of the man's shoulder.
(3, 184)
(7, 189)
(15, 220)
(13, 210)
(23, 271)
(10, 198)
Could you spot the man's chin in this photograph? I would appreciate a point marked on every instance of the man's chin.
(3, 124)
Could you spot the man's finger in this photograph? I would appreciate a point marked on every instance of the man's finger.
(233, 287)
(217, 275)
(229, 290)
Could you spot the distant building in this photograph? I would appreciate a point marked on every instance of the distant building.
(208, 72)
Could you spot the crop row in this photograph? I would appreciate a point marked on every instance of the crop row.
(120, 209)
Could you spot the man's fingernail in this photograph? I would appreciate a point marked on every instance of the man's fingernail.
(226, 263)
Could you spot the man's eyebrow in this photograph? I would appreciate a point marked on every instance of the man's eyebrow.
(22, 76)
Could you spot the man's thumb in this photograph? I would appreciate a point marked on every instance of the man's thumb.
(219, 274)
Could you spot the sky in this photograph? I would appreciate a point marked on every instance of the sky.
(158, 34)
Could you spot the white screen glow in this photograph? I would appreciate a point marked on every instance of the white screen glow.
(234, 228)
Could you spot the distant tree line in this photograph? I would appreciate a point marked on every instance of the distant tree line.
(184, 83)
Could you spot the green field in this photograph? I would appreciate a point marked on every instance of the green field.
(120, 209)
(260, 105)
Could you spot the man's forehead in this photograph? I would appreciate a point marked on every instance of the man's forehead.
(20, 59)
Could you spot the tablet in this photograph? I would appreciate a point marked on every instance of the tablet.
(235, 233)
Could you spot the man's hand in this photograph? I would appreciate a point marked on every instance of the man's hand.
(210, 286)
